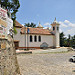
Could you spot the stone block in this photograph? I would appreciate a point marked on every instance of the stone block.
(8, 60)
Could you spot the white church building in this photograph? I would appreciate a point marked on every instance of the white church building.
(28, 37)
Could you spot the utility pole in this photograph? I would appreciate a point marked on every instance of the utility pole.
(25, 36)
(27, 41)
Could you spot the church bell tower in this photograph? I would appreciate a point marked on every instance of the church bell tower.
(55, 31)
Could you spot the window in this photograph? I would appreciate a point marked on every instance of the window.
(57, 28)
(53, 28)
(30, 38)
(35, 38)
(39, 38)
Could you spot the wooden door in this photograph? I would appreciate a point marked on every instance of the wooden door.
(16, 44)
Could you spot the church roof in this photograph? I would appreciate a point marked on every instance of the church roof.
(40, 26)
(36, 31)
(17, 24)
(55, 22)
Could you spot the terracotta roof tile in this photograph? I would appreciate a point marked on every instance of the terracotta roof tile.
(17, 24)
(36, 31)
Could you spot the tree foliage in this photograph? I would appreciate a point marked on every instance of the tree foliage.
(62, 39)
(67, 42)
(12, 6)
(30, 25)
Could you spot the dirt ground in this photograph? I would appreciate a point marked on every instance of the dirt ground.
(46, 64)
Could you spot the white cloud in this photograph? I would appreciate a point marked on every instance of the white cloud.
(45, 27)
(70, 31)
(71, 25)
(67, 27)
(60, 30)
(47, 24)
(62, 24)
(66, 21)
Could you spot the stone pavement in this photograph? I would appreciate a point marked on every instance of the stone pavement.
(46, 64)
(50, 50)
(37, 51)
(23, 52)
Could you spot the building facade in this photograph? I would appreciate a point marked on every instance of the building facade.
(28, 37)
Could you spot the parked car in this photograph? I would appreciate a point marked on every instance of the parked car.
(72, 59)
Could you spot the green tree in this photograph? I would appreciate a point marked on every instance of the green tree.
(30, 25)
(65, 42)
(62, 39)
(73, 41)
(69, 41)
(12, 6)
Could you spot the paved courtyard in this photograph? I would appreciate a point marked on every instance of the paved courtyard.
(46, 64)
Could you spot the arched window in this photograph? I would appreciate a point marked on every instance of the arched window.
(39, 38)
(30, 38)
(53, 28)
(35, 38)
(57, 28)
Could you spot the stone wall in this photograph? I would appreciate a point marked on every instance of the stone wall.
(8, 59)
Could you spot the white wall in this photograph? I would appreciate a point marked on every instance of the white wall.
(57, 37)
(21, 38)
(44, 38)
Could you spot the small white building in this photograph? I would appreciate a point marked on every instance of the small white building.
(28, 37)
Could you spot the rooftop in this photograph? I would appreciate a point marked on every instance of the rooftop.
(55, 22)
(40, 26)
(17, 24)
(36, 31)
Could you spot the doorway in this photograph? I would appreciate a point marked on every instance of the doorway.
(16, 43)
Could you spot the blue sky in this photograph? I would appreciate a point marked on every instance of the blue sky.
(45, 11)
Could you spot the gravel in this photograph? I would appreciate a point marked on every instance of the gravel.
(46, 64)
